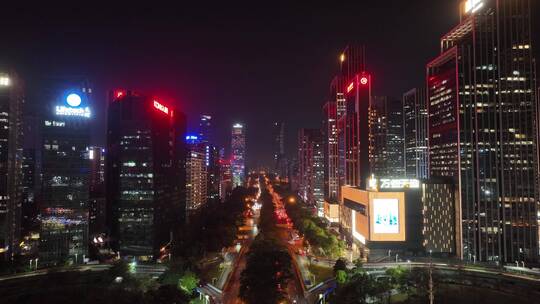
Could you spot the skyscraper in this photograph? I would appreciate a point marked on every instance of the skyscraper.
(97, 205)
(354, 131)
(337, 95)
(225, 176)
(213, 172)
(311, 167)
(205, 128)
(415, 133)
(145, 172)
(196, 173)
(331, 156)
(352, 61)
(65, 173)
(11, 102)
(238, 153)
(482, 129)
(386, 133)
(278, 137)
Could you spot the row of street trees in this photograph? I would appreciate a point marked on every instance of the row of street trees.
(211, 228)
(314, 230)
(357, 286)
(268, 267)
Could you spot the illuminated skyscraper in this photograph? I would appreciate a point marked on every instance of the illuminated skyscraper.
(337, 95)
(213, 172)
(238, 153)
(311, 167)
(352, 61)
(354, 131)
(97, 206)
(415, 133)
(225, 177)
(145, 172)
(331, 156)
(205, 128)
(483, 129)
(65, 174)
(196, 173)
(386, 134)
(278, 137)
(11, 102)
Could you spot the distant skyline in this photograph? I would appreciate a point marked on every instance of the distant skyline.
(248, 64)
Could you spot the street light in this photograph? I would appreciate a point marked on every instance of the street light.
(321, 298)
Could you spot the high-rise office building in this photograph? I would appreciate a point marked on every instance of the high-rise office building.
(337, 95)
(483, 129)
(30, 190)
(11, 102)
(97, 206)
(395, 150)
(378, 136)
(213, 172)
(386, 134)
(196, 174)
(205, 128)
(352, 61)
(278, 138)
(65, 173)
(238, 154)
(311, 167)
(354, 131)
(415, 119)
(225, 176)
(331, 156)
(145, 172)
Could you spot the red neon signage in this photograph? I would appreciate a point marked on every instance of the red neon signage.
(161, 107)
(364, 80)
(350, 87)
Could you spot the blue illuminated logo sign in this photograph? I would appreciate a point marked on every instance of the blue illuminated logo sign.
(73, 107)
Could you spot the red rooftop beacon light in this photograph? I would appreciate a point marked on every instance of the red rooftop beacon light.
(119, 94)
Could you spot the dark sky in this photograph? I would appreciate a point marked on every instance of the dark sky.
(246, 63)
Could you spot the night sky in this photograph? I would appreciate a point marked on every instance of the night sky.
(246, 63)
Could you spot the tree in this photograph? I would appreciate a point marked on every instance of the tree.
(166, 294)
(399, 278)
(341, 277)
(188, 282)
(268, 266)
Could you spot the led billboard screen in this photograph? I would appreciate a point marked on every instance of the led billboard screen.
(386, 216)
(387, 221)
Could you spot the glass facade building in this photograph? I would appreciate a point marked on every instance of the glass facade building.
(65, 171)
(11, 179)
(145, 172)
(483, 129)
(238, 148)
(415, 119)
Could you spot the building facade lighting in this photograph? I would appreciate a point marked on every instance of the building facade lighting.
(4, 81)
(350, 87)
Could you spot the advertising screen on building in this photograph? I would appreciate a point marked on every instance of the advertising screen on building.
(387, 218)
(386, 215)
